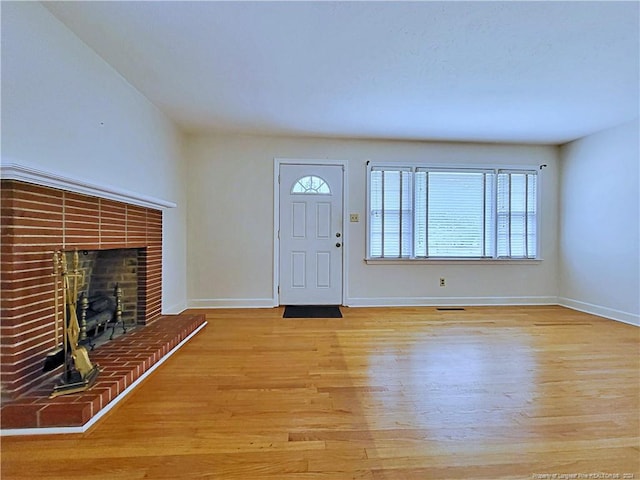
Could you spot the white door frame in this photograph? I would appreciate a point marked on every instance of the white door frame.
(276, 219)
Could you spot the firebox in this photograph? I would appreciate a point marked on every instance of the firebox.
(104, 271)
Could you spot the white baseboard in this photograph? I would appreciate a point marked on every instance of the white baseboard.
(611, 313)
(176, 309)
(232, 303)
(448, 301)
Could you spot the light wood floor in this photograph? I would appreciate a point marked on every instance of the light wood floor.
(388, 393)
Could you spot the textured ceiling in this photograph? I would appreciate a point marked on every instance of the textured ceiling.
(531, 72)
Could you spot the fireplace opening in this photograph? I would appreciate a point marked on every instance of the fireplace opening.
(107, 305)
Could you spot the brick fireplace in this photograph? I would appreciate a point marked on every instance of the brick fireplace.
(38, 220)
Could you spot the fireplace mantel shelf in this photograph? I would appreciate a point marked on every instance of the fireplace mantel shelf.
(16, 171)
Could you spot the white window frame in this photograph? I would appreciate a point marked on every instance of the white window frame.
(413, 166)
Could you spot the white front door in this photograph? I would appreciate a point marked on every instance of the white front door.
(310, 234)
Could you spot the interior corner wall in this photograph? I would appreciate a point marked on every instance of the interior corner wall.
(67, 112)
(231, 224)
(599, 215)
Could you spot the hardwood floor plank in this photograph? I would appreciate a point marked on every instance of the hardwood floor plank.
(383, 393)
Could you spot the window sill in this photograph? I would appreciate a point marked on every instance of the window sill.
(451, 261)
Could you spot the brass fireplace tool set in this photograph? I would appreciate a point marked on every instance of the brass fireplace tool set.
(79, 373)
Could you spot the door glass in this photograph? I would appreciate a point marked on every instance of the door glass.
(311, 185)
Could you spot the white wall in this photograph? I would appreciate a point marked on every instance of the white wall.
(230, 224)
(600, 215)
(67, 112)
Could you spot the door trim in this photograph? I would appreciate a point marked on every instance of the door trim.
(276, 219)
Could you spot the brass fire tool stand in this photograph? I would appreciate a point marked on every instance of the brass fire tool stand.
(79, 373)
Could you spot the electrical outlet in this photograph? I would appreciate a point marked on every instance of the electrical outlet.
(443, 283)
(354, 217)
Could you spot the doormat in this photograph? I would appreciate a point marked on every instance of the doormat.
(312, 311)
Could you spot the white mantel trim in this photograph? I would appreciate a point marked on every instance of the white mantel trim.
(15, 171)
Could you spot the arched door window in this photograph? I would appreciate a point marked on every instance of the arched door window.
(311, 185)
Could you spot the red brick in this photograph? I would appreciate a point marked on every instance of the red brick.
(56, 415)
(21, 415)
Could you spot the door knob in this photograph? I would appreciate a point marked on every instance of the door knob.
(338, 234)
(338, 244)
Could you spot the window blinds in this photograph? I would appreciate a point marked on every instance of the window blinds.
(391, 218)
(423, 212)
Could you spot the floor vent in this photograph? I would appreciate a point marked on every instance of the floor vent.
(449, 309)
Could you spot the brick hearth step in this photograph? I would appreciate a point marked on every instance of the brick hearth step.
(122, 361)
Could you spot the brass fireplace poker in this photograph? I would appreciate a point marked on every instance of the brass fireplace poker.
(55, 358)
(79, 373)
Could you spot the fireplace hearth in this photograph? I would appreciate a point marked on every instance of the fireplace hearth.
(124, 362)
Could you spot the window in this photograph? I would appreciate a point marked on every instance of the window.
(311, 185)
(420, 212)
